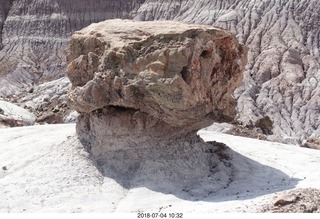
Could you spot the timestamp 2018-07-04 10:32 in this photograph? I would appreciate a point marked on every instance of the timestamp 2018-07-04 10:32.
(159, 215)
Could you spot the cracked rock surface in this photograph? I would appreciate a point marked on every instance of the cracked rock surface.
(136, 82)
(282, 75)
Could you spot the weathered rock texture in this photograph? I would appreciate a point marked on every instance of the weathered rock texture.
(280, 80)
(295, 201)
(12, 115)
(35, 34)
(139, 81)
(48, 101)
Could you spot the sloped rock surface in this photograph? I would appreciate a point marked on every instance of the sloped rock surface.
(34, 36)
(281, 78)
(4, 9)
(47, 101)
(12, 115)
(135, 81)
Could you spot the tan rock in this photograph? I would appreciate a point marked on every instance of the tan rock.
(304, 200)
(313, 143)
(7, 121)
(12, 115)
(285, 199)
(159, 79)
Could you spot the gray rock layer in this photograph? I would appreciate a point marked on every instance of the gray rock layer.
(12, 115)
(34, 36)
(280, 81)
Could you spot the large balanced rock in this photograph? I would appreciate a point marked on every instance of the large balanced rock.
(136, 82)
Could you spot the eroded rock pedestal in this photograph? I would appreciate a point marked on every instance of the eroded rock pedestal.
(139, 83)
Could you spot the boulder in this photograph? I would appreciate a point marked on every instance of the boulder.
(313, 143)
(12, 115)
(135, 82)
(49, 118)
(7, 121)
(286, 199)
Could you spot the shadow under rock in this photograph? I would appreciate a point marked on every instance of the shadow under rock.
(193, 170)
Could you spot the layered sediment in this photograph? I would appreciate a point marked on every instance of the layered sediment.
(136, 82)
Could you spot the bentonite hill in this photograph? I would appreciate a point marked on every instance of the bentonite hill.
(280, 82)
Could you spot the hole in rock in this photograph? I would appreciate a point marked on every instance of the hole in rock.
(205, 54)
(122, 108)
(185, 74)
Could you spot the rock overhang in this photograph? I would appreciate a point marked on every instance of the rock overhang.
(162, 78)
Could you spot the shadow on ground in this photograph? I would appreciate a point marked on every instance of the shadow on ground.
(196, 172)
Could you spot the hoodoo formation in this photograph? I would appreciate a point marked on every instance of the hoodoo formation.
(280, 81)
(140, 82)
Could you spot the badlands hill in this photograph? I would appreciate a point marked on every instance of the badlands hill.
(281, 77)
